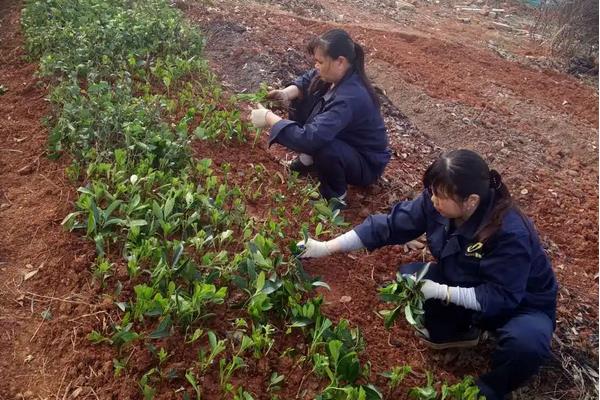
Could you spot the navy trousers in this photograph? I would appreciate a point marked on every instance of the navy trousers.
(523, 339)
(338, 164)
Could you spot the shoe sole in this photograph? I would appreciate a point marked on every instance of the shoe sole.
(451, 345)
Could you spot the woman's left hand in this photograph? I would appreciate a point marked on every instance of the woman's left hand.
(258, 117)
(434, 290)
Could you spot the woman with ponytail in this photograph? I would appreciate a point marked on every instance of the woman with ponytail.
(491, 272)
(334, 122)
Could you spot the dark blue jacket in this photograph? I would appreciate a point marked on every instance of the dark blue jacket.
(347, 112)
(510, 270)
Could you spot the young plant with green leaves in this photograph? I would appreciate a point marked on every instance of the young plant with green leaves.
(405, 294)
(463, 390)
(396, 375)
(427, 392)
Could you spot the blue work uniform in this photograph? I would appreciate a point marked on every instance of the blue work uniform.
(512, 276)
(342, 129)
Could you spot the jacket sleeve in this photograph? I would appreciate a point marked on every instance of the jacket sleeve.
(406, 221)
(505, 271)
(303, 81)
(317, 133)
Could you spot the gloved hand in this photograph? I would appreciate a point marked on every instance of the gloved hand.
(281, 96)
(314, 249)
(258, 117)
(434, 290)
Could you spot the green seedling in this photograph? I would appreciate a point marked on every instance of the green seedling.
(262, 338)
(464, 390)
(191, 378)
(147, 391)
(427, 392)
(275, 382)
(242, 394)
(327, 213)
(396, 375)
(119, 366)
(102, 270)
(257, 97)
(350, 392)
(405, 293)
(207, 358)
(227, 368)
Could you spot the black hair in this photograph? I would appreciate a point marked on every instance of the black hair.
(338, 43)
(461, 173)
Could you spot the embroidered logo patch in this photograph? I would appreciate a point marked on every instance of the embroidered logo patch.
(472, 250)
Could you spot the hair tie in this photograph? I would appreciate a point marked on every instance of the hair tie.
(495, 180)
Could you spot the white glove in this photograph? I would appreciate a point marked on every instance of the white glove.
(281, 96)
(314, 249)
(259, 117)
(434, 290)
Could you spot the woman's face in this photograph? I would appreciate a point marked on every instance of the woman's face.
(330, 70)
(451, 208)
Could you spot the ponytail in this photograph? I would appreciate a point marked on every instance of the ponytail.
(359, 67)
(503, 202)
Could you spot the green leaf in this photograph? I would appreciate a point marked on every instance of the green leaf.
(301, 322)
(349, 367)
(169, 204)
(334, 347)
(372, 392)
(409, 315)
(91, 225)
(137, 222)
(212, 340)
(70, 217)
(109, 210)
(163, 330)
(260, 281)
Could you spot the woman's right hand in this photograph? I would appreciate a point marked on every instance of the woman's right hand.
(281, 96)
(314, 249)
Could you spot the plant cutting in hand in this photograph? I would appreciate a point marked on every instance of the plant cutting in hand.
(405, 294)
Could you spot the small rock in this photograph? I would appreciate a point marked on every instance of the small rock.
(345, 299)
(403, 5)
(493, 14)
(464, 20)
(524, 191)
(572, 172)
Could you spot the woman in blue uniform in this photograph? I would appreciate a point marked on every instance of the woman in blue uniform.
(491, 271)
(335, 123)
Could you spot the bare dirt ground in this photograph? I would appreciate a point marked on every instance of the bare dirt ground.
(445, 83)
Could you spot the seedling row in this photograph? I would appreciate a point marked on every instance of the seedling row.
(130, 92)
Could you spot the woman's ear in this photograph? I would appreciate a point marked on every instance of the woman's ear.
(342, 61)
(473, 201)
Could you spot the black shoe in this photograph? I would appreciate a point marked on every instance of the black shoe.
(469, 338)
(302, 170)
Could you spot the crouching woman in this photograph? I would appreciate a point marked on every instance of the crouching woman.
(491, 271)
